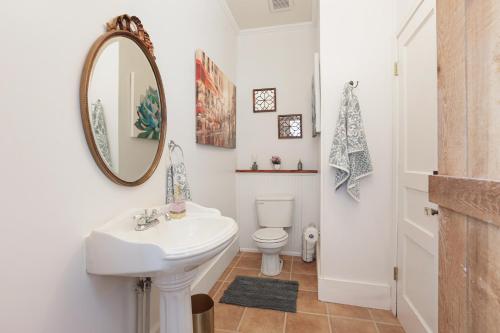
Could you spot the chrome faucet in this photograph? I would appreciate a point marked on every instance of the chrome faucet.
(145, 221)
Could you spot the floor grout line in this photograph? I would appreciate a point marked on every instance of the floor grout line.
(233, 268)
(373, 321)
(386, 323)
(228, 274)
(328, 314)
(313, 313)
(371, 315)
(241, 320)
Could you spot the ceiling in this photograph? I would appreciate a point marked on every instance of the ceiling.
(251, 14)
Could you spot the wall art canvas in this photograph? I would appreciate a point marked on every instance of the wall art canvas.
(215, 104)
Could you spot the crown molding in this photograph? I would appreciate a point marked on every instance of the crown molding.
(229, 15)
(277, 28)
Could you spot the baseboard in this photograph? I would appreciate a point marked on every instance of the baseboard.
(360, 293)
(285, 253)
(209, 274)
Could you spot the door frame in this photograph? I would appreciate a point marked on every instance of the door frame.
(400, 26)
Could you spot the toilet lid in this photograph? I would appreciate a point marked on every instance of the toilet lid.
(270, 234)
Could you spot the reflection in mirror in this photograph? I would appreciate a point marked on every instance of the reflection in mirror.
(124, 108)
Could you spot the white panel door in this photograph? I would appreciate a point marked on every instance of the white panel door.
(417, 300)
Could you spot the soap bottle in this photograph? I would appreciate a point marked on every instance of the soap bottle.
(177, 209)
(299, 165)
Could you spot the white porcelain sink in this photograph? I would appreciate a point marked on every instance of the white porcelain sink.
(168, 252)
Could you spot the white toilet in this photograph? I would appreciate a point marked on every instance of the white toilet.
(273, 214)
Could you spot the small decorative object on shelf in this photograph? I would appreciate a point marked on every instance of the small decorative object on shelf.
(276, 161)
(299, 165)
(255, 166)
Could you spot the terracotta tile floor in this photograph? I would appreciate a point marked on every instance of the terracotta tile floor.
(312, 315)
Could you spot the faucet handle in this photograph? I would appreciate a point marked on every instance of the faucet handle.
(139, 219)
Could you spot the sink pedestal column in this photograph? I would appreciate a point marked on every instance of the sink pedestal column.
(175, 302)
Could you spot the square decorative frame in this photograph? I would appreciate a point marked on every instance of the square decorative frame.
(285, 127)
(264, 100)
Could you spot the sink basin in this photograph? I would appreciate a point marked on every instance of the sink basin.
(168, 253)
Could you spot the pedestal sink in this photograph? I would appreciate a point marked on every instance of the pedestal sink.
(169, 253)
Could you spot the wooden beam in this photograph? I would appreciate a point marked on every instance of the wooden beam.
(469, 196)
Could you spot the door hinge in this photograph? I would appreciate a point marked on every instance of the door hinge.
(396, 69)
(396, 273)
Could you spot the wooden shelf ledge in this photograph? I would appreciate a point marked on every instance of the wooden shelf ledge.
(275, 171)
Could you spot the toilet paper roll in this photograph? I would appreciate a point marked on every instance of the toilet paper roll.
(311, 234)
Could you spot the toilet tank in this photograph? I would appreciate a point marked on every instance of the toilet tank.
(275, 211)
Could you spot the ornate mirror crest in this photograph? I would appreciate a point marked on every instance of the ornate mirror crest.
(133, 25)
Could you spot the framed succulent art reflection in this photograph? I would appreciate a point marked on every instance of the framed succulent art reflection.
(146, 116)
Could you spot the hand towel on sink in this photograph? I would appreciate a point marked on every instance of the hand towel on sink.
(349, 154)
(176, 174)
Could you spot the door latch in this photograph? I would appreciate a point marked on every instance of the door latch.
(431, 211)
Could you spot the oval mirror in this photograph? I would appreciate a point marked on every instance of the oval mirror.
(123, 104)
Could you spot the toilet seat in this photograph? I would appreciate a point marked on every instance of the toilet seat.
(270, 235)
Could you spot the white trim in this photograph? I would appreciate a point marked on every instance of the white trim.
(315, 12)
(206, 279)
(285, 253)
(359, 293)
(395, 170)
(229, 15)
(402, 25)
(277, 28)
(318, 257)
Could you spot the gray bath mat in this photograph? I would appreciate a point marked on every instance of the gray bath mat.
(262, 293)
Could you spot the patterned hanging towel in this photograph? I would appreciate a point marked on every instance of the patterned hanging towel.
(177, 183)
(349, 154)
(101, 132)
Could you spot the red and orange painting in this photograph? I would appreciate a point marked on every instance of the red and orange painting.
(215, 105)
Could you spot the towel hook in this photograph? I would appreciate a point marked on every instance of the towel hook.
(172, 145)
(352, 84)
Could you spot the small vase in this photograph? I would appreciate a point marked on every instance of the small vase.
(277, 166)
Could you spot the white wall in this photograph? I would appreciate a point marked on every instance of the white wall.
(280, 58)
(356, 251)
(52, 193)
(404, 9)
(304, 188)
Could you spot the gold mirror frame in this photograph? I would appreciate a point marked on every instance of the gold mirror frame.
(131, 28)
